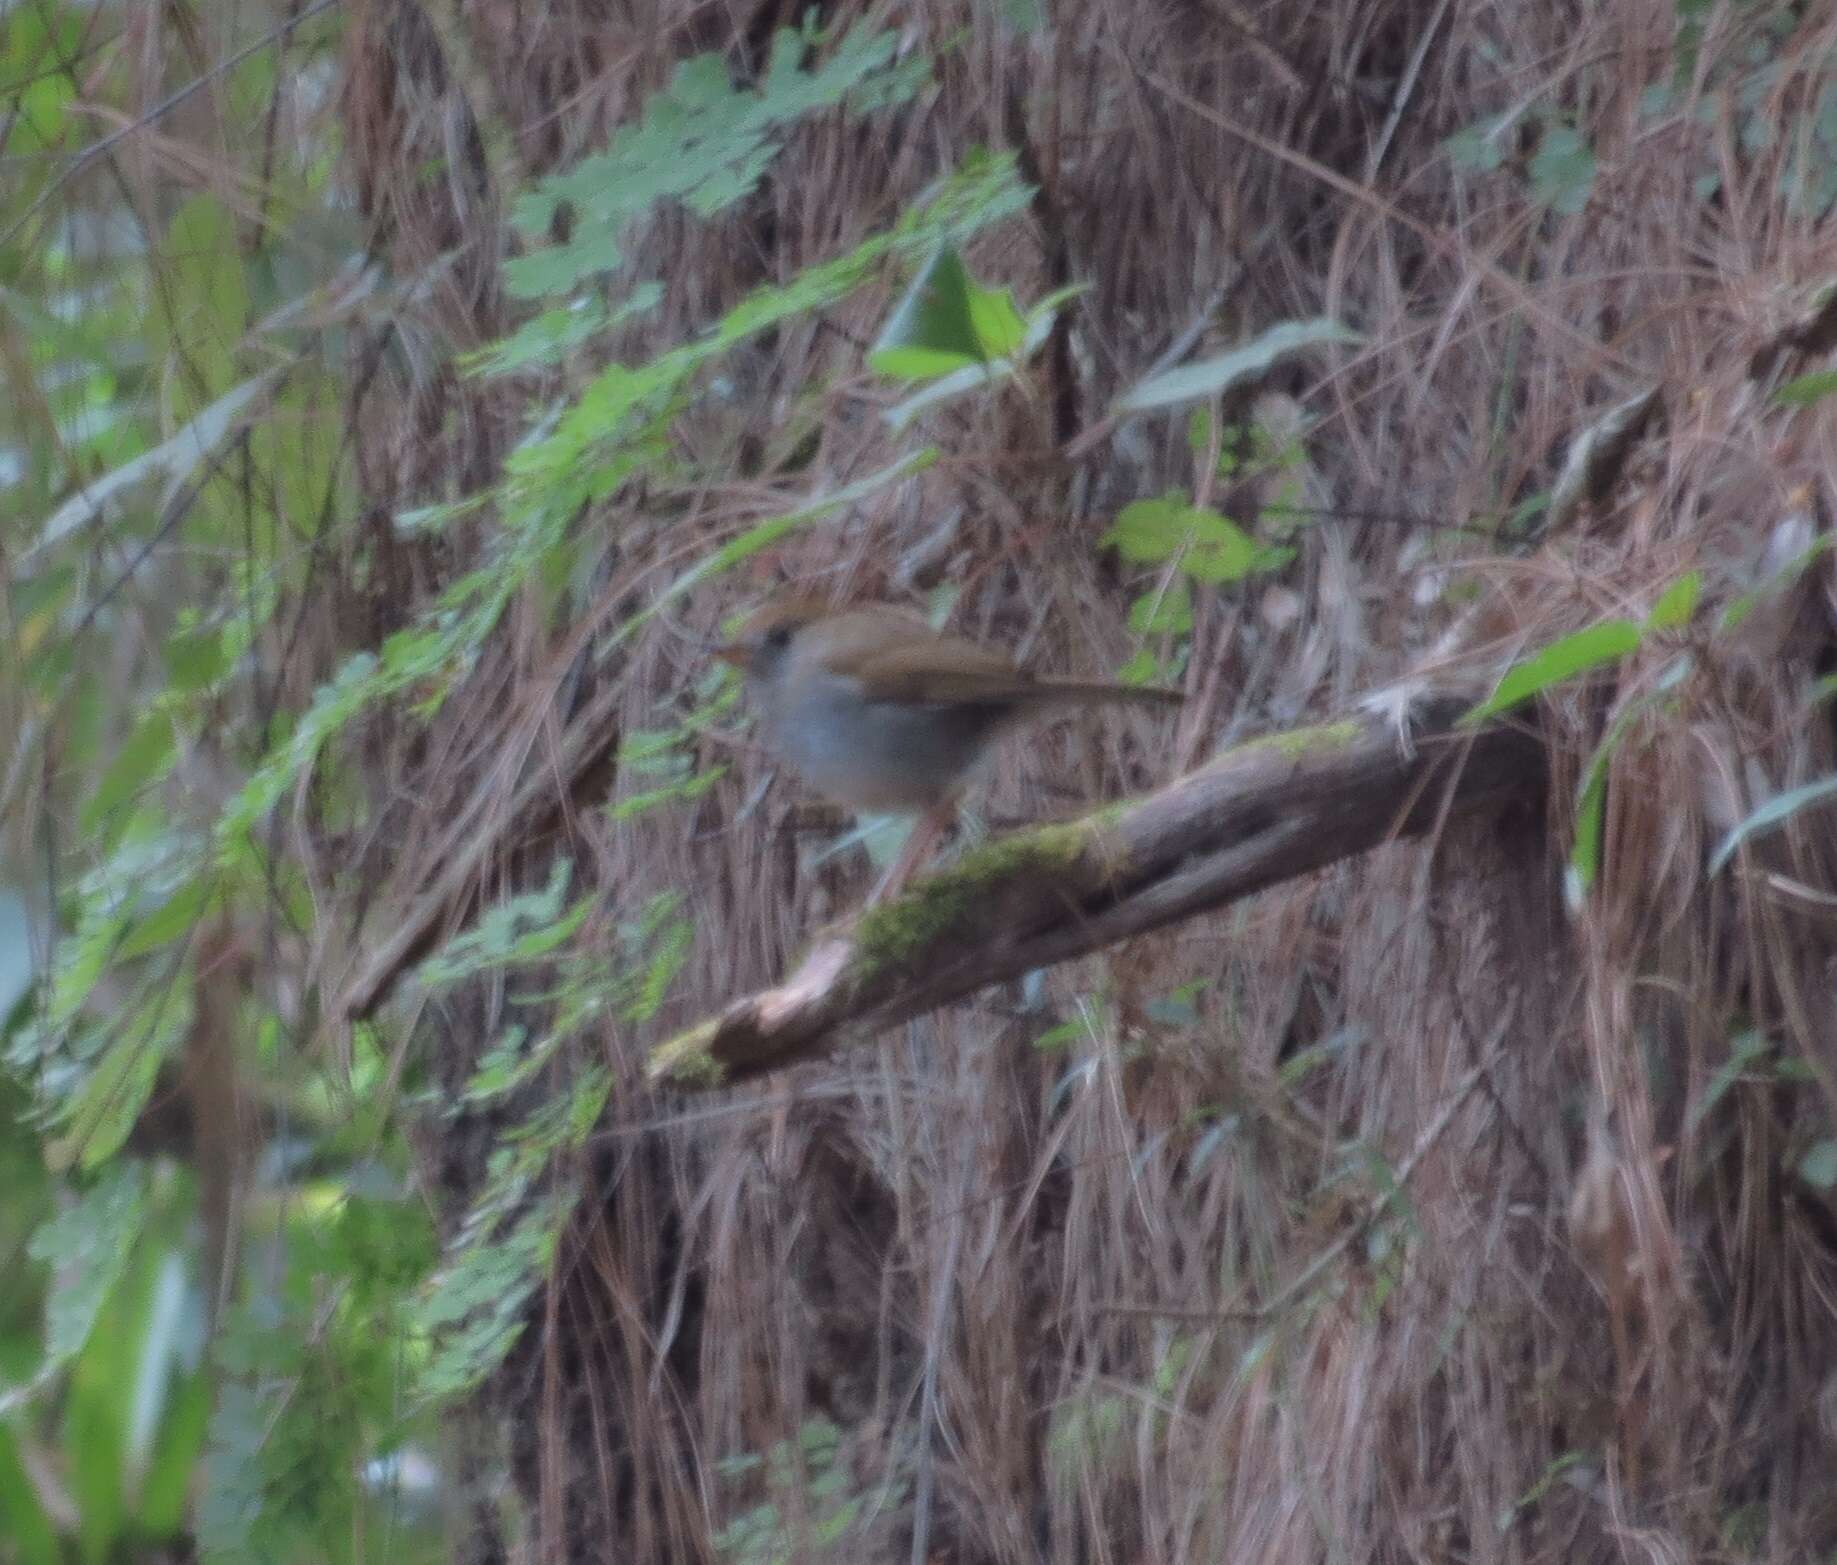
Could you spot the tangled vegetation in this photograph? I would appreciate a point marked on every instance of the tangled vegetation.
(402, 395)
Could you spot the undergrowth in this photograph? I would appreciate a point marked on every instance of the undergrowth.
(374, 806)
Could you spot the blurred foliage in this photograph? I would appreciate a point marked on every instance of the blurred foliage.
(179, 319)
(177, 471)
(811, 1505)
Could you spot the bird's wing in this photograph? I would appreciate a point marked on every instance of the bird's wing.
(911, 664)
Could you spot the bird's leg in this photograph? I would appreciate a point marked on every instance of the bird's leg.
(925, 831)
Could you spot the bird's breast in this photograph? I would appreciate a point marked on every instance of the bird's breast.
(900, 757)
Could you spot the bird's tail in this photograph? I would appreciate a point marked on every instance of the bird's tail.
(1079, 691)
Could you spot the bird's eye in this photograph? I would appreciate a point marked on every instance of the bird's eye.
(778, 637)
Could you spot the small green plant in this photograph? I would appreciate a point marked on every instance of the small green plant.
(162, 377)
(1612, 641)
(813, 1506)
(1096, 1428)
(956, 335)
(1206, 379)
(1598, 646)
(1561, 169)
(1189, 544)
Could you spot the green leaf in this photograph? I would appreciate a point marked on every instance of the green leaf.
(1163, 613)
(625, 410)
(1806, 389)
(334, 704)
(701, 141)
(1303, 1064)
(945, 323)
(682, 791)
(24, 1522)
(201, 309)
(1591, 796)
(1545, 1483)
(1677, 603)
(196, 659)
(549, 337)
(1149, 531)
(1221, 551)
(970, 378)
(1050, 305)
(1000, 328)
(165, 1493)
(474, 1307)
(672, 942)
(1208, 546)
(1818, 1168)
(1593, 647)
(89, 1244)
(1772, 815)
(39, 108)
(230, 1505)
(1746, 1049)
(510, 932)
(143, 756)
(509, 1064)
(146, 869)
(170, 919)
(1059, 1036)
(1209, 377)
(1563, 170)
(163, 1328)
(93, 1444)
(1477, 149)
(1139, 669)
(286, 1437)
(112, 1096)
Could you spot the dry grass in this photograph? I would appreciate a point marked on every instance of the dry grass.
(1149, 1297)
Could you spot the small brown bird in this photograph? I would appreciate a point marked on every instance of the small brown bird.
(882, 713)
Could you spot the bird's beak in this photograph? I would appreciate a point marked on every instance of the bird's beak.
(733, 654)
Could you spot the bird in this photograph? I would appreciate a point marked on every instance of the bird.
(883, 714)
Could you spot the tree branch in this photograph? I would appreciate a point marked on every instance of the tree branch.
(1264, 812)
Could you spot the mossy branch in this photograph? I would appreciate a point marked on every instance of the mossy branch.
(1260, 813)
